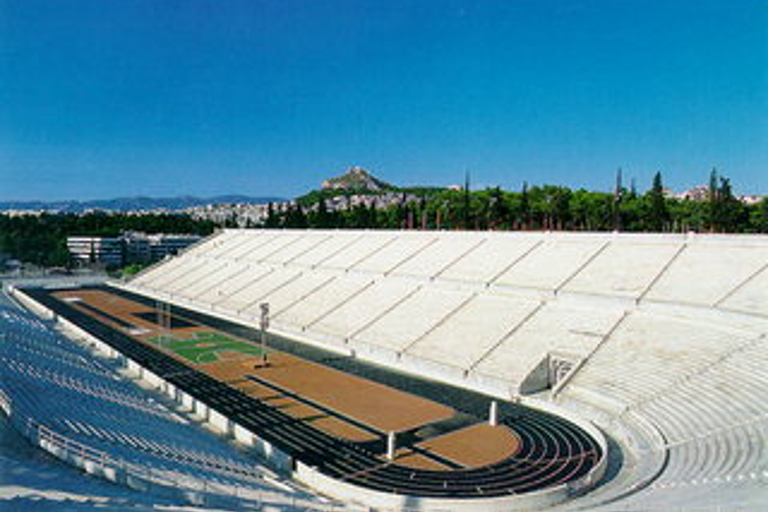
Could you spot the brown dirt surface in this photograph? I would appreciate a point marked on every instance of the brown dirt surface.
(376, 405)
(373, 404)
(475, 446)
(118, 307)
(234, 373)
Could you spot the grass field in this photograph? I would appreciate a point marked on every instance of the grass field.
(205, 347)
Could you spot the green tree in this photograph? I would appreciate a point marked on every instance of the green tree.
(618, 194)
(658, 214)
(713, 202)
(321, 218)
(272, 220)
(42, 239)
(759, 217)
(725, 212)
(294, 217)
(467, 210)
(525, 207)
(498, 209)
(733, 214)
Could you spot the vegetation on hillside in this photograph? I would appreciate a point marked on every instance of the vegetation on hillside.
(545, 207)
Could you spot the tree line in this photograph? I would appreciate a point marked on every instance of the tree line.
(547, 207)
(42, 239)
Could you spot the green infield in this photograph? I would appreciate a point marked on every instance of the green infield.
(205, 347)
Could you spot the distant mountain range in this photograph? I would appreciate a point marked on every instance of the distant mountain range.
(126, 204)
(354, 180)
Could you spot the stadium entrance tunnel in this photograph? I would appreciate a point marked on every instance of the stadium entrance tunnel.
(554, 457)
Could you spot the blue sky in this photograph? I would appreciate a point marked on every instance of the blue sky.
(105, 98)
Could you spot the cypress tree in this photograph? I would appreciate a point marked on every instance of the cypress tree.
(713, 201)
(617, 193)
(658, 215)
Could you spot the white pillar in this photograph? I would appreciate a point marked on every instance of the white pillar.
(391, 445)
(493, 414)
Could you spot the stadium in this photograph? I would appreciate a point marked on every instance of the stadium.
(410, 370)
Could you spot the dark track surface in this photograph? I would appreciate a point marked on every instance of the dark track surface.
(553, 450)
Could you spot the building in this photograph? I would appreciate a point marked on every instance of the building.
(130, 247)
(161, 245)
(86, 250)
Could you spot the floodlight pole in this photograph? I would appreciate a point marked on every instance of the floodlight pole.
(163, 319)
(264, 324)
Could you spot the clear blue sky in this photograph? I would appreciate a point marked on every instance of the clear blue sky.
(105, 98)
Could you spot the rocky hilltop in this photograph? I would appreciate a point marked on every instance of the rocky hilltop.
(356, 178)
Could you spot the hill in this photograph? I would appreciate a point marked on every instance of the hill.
(356, 178)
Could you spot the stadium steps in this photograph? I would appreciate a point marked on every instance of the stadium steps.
(134, 430)
(331, 247)
(297, 249)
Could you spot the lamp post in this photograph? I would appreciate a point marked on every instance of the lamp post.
(264, 324)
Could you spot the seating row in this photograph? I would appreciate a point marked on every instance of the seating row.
(666, 268)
